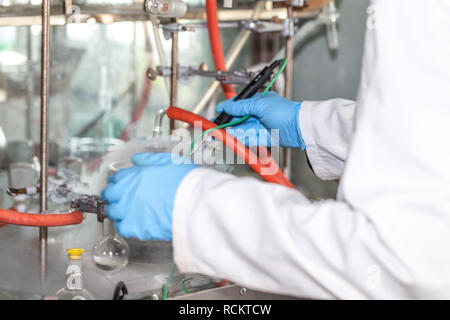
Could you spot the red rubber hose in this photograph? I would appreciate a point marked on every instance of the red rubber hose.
(2, 224)
(216, 44)
(40, 220)
(269, 170)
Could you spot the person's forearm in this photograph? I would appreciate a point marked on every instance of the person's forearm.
(327, 130)
(271, 238)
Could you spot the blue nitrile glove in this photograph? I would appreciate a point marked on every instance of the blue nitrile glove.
(140, 198)
(268, 112)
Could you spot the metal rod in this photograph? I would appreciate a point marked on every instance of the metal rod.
(45, 70)
(160, 50)
(21, 15)
(289, 74)
(174, 76)
(230, 58)
(305, 31)
(30, 86)
(133, 87)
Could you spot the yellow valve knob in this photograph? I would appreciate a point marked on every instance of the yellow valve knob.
(75, 253)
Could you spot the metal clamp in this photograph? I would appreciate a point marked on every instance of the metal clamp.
(90, 204)
(257, 26)
(185, 73)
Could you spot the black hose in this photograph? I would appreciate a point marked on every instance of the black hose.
(120, 291)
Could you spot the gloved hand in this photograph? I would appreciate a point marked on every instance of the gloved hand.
(140, 198)
(268, 112)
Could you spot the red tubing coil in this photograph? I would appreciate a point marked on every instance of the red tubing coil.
(275, 175)
(216, 44)
(40, 220)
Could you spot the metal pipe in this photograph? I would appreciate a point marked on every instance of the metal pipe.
(30, 86)
(45, 70)
(289, 76)
(157, 131)
(160, 50)
(174, 75)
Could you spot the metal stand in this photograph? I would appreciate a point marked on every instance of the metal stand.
(174, 76)
(45, 73)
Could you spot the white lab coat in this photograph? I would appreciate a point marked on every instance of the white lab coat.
(388, 234)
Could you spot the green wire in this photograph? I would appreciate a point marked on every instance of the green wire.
(185, 288)
(239, 121)
(283, 66)
(168, 281)
(164, 290)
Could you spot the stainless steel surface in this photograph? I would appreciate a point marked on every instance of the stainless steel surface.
(20, 267)
(230, 58)
(233, 292)
(45, 69)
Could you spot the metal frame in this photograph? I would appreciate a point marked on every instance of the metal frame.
(22, 15)
(45, 75)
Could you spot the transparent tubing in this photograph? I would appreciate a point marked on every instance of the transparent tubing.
(111, 252)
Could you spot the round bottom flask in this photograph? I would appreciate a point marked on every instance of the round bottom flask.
(111, 252)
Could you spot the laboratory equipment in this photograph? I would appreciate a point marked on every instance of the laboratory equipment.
(165, 8)
(250, 89)
(79, 152)
(150, 251)
(74, 283)
(111, 252)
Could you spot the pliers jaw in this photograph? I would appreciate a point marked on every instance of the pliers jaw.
(90, 204)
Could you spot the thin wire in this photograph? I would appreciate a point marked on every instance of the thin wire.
(168, 281)
(238, 121)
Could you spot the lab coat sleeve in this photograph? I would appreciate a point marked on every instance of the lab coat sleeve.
(279, 243)
(327, 130)
(388, 234)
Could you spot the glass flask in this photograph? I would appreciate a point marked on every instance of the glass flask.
(74, 284)
(111, 252)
